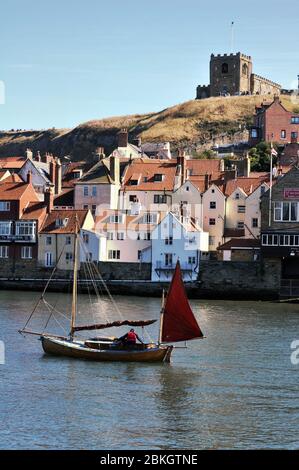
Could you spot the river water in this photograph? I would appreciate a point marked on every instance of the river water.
(235, 389)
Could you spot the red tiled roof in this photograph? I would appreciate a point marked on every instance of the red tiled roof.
(35, 211)
(240, 243)
(49, 225)
(148, 168)
(12, 191)
(12, 162)
(200, 167)
(248, 185)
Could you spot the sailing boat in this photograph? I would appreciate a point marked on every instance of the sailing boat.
(177, 323)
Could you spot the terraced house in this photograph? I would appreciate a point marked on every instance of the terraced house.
(21, 215)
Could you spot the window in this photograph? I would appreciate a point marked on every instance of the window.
(94, 191)
(150, 218)
(3, 251)
(26, 252)
(85, 238)
(68, 240)
(187, 188)
(241, 209)
(224, 68)
(116, 219)
(88, 257)
(86, 207)
(191, 260)
(212, 221)
(245, 70)
(139, 255)
(68, 256)
(61, 222)
(93, 209)
(294, 135)
(120, 236)
(212, 204)
(4, 206)
(295, 120)
(254, 222)
(211, 241)
(254, 133)
(168, 241)
(25, 228)
(237, 196)
(48, 240)
(133, 182)
(240, 225)
(85, 190)
(283, 134)
(263, 189)
(110, 236)
(212, 191)
(160, 199)
(158, 177)
(286, 212)
(113, 254)
(147, 236)
(168, 259)
(133, 198)
(5, 228)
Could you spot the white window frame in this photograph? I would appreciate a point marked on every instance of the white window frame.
(3, 252)
(4, 206)
(26, 252)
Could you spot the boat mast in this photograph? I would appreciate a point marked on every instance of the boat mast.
(75, 281)
(161, 317)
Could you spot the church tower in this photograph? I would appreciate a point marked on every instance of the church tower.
(230, 73)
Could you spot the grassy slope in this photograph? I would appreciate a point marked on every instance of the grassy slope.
(193, 122)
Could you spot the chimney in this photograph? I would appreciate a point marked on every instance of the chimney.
(29, 177)
(247, 165)
(38, 156)
(29, 154)
(99, 153)
(122, 138)
(181, 166)
(137, 142)
(115, 169)
(49, 200)
(58, 176)
(207, 181)
(52, 166)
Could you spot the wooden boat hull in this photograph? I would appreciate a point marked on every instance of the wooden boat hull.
(61, 347)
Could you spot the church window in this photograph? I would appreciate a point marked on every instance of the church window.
(224, 68)
(245, 70)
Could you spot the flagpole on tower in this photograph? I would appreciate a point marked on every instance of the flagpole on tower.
(232, 37)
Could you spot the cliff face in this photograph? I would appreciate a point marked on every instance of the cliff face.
(195, 125)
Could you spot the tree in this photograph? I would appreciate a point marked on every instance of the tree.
(260, 156)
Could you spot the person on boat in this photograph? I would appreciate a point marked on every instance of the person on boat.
(130, 338)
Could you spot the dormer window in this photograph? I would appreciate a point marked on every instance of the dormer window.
(61, 222)
(158, 177)
(77, 174)
(237, 196)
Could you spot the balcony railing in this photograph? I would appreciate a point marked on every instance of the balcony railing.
(161, 265)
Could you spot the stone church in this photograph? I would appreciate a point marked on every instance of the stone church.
(231, 74)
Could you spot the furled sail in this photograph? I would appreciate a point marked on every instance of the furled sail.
(178, 323)
(102, 326)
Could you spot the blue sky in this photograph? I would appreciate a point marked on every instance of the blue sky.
(65, 62)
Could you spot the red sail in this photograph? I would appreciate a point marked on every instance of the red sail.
(179, 323)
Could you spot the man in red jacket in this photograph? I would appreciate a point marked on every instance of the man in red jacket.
(130, 338)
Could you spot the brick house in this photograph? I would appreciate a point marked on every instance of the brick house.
(280, 224)
(21, 215)
(274, 123)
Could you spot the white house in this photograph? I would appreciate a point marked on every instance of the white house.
(187, 201)
(213, 207)
(253, 211)
(128, 237)
(93, 246)
(173, 240)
